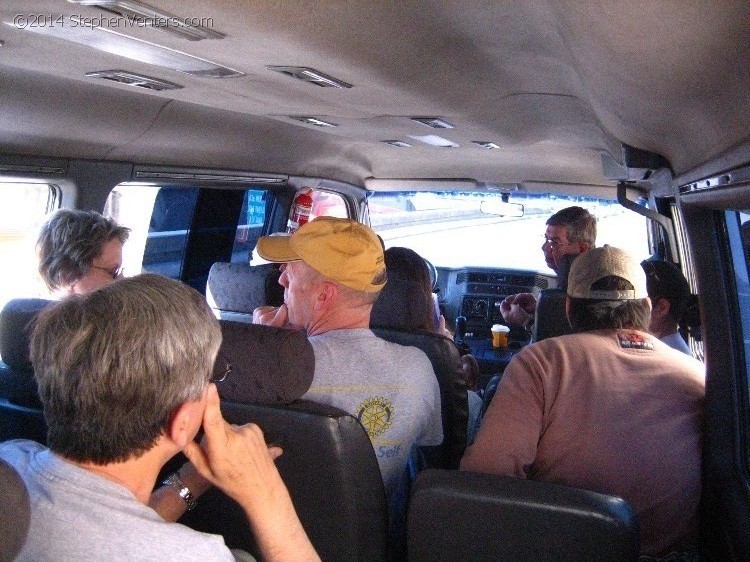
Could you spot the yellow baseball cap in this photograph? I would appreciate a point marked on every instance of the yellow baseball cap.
(343, 250)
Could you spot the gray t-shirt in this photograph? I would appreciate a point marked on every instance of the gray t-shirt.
(391, 389)
(78, 515)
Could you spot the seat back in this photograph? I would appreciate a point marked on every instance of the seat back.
(269, 365)
(332, 474)
(17, 383)
(456, 515)
(234, 290)
(446, 362)
(551, 319)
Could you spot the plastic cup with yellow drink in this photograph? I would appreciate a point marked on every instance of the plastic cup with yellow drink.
(500, 336)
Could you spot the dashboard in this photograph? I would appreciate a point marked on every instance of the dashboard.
(476, 294)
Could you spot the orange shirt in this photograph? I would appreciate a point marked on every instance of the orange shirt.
(613, 411)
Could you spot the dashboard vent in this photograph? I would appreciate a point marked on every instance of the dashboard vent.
(541, 282)
(461, 278)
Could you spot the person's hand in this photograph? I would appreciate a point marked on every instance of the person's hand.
(442, 329)
(271, 315)
(237, 460)
(518, 309)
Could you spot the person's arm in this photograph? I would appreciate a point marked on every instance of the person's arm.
(237, 460)
(506, 443)
(168, 503)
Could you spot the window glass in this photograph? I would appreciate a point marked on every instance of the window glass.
(460, 229)
(160, 219)
(23, 209)
(738, 227)
(252, 217)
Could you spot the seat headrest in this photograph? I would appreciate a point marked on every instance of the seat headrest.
(269, 365)
(240, 287)
(16, 324)
(403, 305)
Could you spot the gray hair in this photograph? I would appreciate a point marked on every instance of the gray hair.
(580, 225)
(113, 365)
(69, 242)
(586, 315)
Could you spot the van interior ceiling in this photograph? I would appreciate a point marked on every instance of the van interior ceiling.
(198, 124)
(552, 85)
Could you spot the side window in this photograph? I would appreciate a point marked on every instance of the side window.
(738, 228)
(23, 209)
(180, 231)
(252, 217)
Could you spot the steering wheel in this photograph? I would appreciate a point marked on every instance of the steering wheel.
(433, 274)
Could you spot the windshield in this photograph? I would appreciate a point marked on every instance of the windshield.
(450, 229)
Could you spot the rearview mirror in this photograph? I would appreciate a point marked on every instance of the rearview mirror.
(501, 209)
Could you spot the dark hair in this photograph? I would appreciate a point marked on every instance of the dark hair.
(405, 302)
(664, 280)
(579, 223)
(69, 242)
(586, 315)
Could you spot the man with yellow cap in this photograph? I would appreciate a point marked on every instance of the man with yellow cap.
(333, 272)
(609, 408)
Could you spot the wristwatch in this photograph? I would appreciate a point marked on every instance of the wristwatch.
(176, 482)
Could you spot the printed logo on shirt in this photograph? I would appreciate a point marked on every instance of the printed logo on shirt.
(633, 340)
(376, 415)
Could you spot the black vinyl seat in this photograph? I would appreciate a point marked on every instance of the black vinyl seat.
(17, 382)
(456, 515)
(21, 415)
(332, 474)
(446, 362)
(550, 320)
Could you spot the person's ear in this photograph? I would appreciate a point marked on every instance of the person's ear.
(583, 247)
(327, 293)
(659, 307)
(183, 423)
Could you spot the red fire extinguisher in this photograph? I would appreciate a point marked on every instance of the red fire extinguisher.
(301, 209)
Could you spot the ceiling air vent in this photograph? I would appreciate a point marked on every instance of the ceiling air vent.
(397, 143)
(311, 76)
(312, 121)
(434, 122)
(141, 15)
(137, 80)
(486, 144)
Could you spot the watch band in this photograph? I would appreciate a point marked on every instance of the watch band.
(176, 482)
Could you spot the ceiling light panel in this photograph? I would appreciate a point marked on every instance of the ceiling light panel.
(109, 41)
(136, 13)
(486, 144)
(310, 75)
(434, 140)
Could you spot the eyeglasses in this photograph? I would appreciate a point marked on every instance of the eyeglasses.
(113, 272)
(552, 243)
(222, 368)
